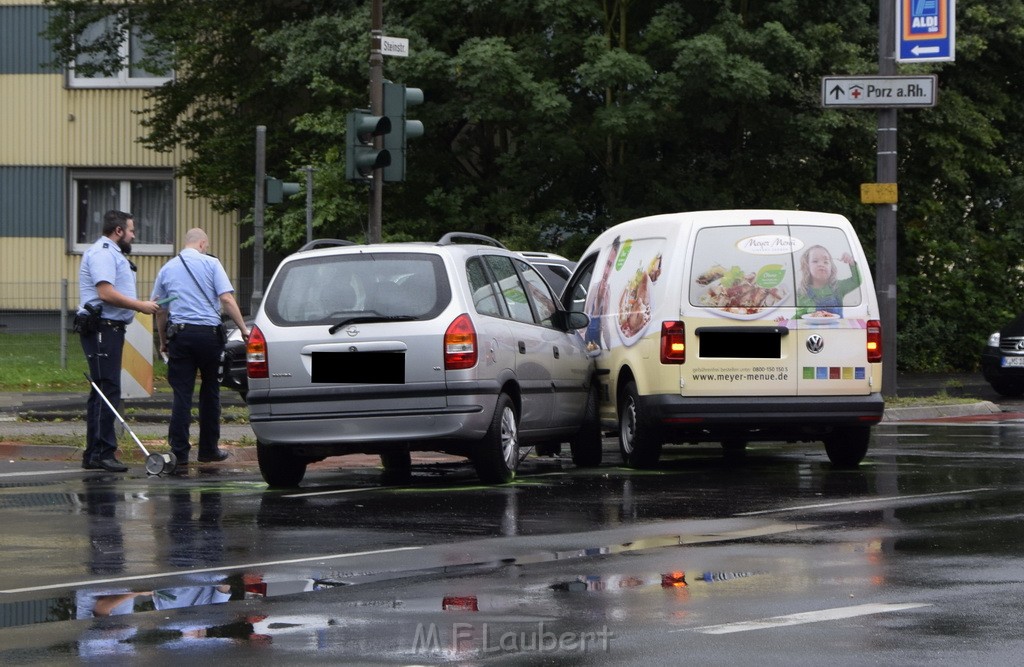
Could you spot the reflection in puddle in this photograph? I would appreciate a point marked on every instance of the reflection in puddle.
(676, 579)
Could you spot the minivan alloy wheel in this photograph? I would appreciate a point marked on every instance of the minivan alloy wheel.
(497, 455)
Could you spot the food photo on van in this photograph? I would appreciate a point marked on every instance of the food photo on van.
(733, 327)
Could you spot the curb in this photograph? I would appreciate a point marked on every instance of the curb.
(941, 411)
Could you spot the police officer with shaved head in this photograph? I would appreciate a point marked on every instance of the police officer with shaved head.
(192, 337)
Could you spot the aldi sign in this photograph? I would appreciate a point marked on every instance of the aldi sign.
(925, 30)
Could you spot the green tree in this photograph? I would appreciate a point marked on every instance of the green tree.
(548, 120)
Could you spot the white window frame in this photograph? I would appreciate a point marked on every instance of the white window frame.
(123, 78)
(124, 203)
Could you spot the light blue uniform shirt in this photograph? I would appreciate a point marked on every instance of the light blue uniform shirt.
(104, 262)
(195, 304)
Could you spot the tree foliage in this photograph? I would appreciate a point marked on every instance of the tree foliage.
(548, 120)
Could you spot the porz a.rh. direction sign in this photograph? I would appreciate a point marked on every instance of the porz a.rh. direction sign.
(878, 91)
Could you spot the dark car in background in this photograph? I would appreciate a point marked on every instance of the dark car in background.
(1002, 361)
(555, 269)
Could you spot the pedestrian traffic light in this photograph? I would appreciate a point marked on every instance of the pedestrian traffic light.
(396, 99)
(361, 158)
(277, 190)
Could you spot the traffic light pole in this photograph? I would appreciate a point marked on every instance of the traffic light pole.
(885, 214)
(257, 219)
(373, 234)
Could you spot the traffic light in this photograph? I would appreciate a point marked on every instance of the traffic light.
(396, 98)
(361, 158)
(276, 190)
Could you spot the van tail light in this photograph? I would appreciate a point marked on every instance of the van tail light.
(673, 342)
(874, 341)
(460, 344)
(256, 355)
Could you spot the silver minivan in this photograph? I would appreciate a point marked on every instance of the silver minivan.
(455, 347)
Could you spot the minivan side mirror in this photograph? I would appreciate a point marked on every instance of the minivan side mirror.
(565, 320)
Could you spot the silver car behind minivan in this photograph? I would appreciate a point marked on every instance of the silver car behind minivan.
(392, 348)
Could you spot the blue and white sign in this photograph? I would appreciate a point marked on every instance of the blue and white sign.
(925, 30)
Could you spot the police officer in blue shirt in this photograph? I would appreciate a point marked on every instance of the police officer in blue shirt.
(192, 338)
(106, 285)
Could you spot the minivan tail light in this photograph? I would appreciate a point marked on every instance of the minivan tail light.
(874, 341)
(256, 355)
(460, 344)
(673, 342)
(761, 222)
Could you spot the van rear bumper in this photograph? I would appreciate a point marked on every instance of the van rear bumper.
(761, 416)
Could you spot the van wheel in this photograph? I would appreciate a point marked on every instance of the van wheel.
(848, 448)
(586, 443)
(638, 441)
(498, 454)
(397, 467)
(280, 468)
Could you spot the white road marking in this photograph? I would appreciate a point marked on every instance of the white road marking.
(42, 472)
(388, 488)
(337, 491)
(178, 573)
(864, 501)
(806, 617)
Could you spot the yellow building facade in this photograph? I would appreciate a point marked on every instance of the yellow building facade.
(69, 149)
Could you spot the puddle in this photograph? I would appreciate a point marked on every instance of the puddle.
(197, 591)
(675, 579)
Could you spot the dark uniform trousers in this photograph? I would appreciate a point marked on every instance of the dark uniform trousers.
(102, 348)
(194, 348)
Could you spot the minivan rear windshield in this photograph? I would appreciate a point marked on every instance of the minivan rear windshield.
(328, 289)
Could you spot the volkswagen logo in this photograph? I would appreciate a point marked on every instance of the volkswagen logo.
(352, 331)
(815, 343)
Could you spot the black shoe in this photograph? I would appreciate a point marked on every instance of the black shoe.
(216, 457)
(110, 465)
(89, 465)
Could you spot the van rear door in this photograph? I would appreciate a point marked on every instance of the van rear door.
(829, 323)
(740, 296)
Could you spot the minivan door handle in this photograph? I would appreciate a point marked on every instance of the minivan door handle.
(556, 352)
(522, 347)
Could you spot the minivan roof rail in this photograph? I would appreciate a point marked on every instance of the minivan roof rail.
(449, 239)
(324, 243)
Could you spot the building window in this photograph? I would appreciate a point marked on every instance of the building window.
(135, 53)
(146, 194)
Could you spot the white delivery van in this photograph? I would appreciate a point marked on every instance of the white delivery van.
(731, 327)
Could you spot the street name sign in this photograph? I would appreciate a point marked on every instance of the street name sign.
(879, 91)
(925, 30)
(394, 46)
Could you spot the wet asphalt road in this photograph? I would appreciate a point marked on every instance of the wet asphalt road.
(915, 558)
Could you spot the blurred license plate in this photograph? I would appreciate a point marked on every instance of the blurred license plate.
(1013, 361)
(359, 367)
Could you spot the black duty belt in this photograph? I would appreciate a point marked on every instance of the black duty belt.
(113, 324)
(208, 328)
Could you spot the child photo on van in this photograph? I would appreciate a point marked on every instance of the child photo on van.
(820, 293)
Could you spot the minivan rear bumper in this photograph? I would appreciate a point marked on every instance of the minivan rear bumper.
(756, 417)
(457, 423)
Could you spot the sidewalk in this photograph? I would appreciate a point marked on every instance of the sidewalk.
(31, 415)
